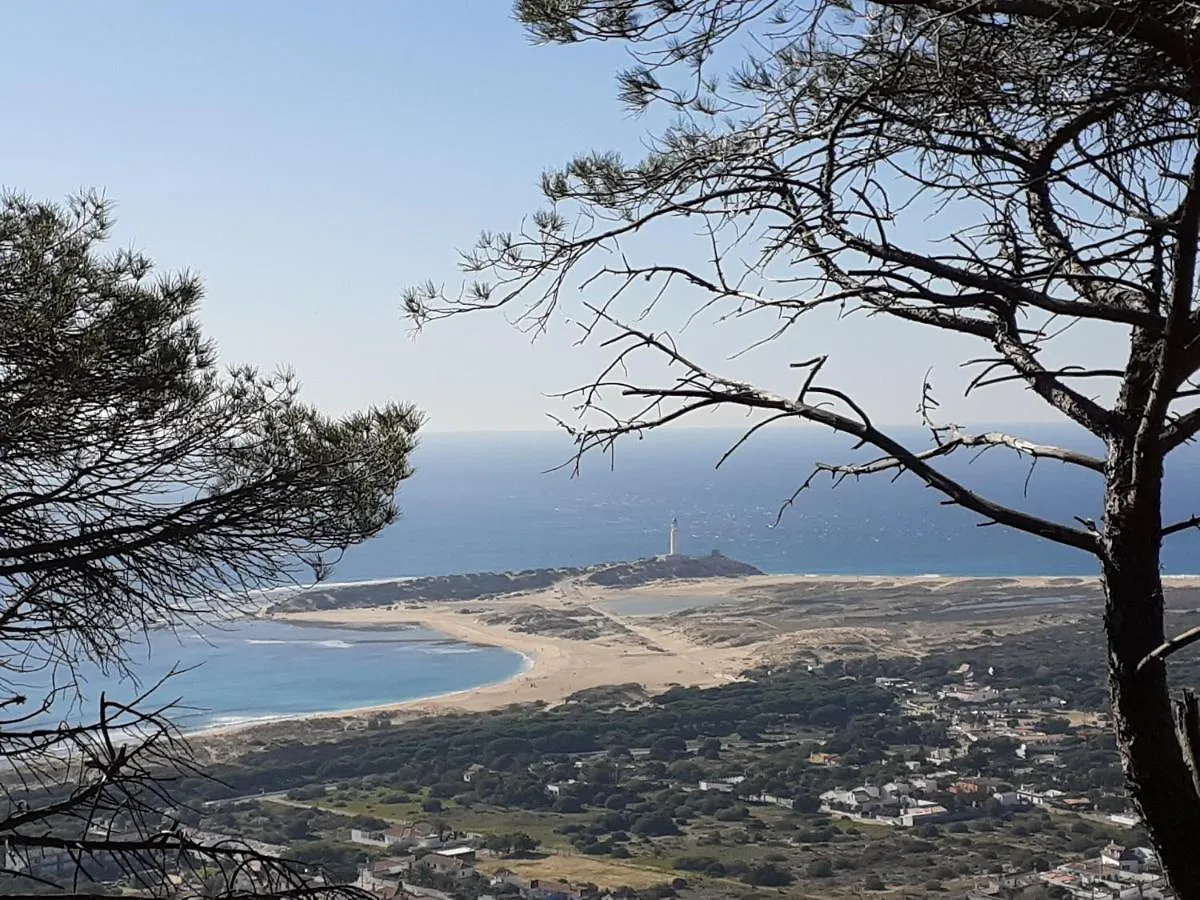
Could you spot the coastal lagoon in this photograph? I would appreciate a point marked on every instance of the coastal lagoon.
(257, 670)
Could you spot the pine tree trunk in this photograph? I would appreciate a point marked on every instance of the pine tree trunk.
(1160, 780)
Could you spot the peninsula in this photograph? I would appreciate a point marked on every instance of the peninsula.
(480, 585)
(700, 622)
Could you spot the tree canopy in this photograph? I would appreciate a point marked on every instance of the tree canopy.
(142, 487)
(1001, 173)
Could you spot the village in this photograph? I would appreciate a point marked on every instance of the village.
(1002, 757)
(852, 777)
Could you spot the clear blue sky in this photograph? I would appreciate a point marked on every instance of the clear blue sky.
(311, 159)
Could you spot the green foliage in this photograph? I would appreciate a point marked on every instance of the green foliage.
(768, 874)
(430, 751)
(339, 861)
(144, 486)
(668, 747)
(656, 824)
(111, 392)
(806, 803)
(517, 843)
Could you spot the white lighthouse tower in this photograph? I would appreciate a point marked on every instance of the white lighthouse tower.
(674, 538)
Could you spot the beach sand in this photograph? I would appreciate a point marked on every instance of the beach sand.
(707, 646)
(650, 655)
(641, 653)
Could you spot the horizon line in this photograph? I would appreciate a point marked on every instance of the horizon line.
(447, 432)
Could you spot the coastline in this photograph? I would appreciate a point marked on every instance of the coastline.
(221, 729)
(554, 668)
(654, 651)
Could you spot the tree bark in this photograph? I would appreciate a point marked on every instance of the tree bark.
(1160, 781)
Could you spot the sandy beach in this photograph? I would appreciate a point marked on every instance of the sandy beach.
(637, 651)
(706, 632)
(649, 655)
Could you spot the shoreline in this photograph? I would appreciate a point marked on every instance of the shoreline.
(914, 577)
(221, 729)
(553, 667)
(651, 650)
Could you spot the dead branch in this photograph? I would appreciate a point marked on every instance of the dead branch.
(953, 439)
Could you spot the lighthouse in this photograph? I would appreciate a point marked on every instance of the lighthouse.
(674, 538)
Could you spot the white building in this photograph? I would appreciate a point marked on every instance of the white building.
(895, 789)
(855, 798)
(1117, 857)
(724, 785)
(393, 837)
(919, 815)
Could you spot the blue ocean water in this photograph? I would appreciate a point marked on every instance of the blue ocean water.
(256, 670)
(485, 502)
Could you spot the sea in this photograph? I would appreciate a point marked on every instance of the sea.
(502, 502)
(496, 502)
(260, 670)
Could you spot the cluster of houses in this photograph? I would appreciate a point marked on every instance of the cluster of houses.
(976, 712)
(391, 877)
(389, 873)
(895, 803)
(907, 803)
(1118, 873)
(414, 848)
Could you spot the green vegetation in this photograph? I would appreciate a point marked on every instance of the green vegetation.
(145, 485)
(614, 779)
(435, 752)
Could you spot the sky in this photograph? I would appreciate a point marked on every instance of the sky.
(310, 160)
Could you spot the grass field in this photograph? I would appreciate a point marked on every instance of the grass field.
(602, 872)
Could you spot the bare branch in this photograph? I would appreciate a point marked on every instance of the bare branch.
(1180, 431)
(1174, 645)
(1000, 170)
(953, 439)
(1175, 528)
(699, 388)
